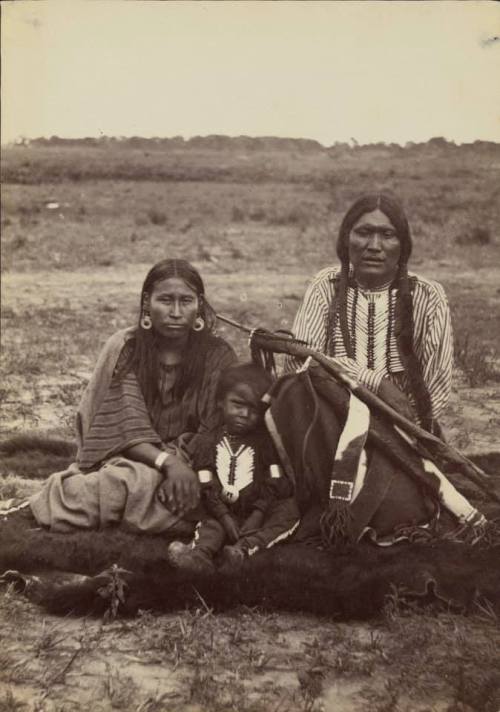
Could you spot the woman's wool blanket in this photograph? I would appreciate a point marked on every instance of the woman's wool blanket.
(98, 385)
(122, 492)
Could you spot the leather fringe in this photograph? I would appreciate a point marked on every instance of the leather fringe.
(336, 524)
(486, 535)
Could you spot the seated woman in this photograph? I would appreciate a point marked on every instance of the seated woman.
(390, 331)
(147, 414)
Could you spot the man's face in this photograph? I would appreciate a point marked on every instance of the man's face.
(374, 249)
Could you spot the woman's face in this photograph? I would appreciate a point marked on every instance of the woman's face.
(173, 307)
(374, 249)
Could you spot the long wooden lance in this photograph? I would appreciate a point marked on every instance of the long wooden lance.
(279, 343)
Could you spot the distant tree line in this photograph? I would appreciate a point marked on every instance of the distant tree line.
(237, 143)
(214, 142)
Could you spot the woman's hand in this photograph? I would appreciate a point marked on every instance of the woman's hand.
(180, 491)
(231, 528)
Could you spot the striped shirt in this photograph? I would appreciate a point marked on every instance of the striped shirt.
(375, 344)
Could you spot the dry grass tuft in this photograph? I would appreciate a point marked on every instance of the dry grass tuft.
(478, 362)
(9, 703)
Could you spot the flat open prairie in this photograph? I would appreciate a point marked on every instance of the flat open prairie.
(80, 228)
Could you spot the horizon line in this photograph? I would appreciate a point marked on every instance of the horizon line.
(352, 142)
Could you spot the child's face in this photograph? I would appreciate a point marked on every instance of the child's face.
(241, 409)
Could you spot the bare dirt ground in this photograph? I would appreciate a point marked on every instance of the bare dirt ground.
(195, 661)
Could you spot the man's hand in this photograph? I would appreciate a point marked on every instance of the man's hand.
(348, 365)
(394, 397)
(253, 521)
(231, 528)
(180, 491)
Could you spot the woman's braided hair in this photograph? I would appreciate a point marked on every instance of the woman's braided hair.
(392, 208)
(141, 351)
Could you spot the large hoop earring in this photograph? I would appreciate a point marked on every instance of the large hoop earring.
(146, 322)
(199, 324)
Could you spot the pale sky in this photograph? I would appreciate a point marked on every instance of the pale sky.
(332, 71)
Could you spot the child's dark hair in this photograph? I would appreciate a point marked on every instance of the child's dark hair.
(250, 374)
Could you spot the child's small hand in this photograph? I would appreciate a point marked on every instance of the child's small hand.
(231, 528)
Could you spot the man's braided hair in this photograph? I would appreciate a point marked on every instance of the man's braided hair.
(392, 208)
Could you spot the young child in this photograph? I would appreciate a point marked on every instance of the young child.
(244, 490)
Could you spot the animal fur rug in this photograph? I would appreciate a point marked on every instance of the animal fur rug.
(115, 572)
